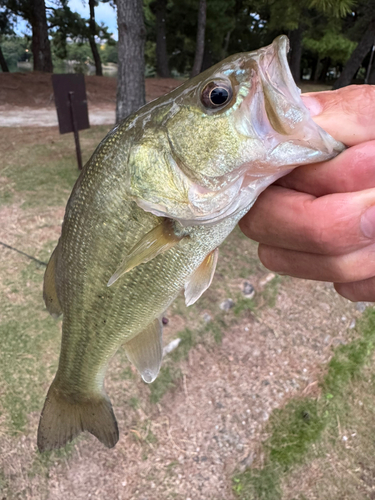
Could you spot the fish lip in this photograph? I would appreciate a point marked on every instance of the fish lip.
(279, 49)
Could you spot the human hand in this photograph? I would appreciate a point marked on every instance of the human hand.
(318, 222)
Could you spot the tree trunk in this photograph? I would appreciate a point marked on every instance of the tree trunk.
(40, 45)
(3, 62)
(162, 69)
(326, 61)
(314, 69)
(94, 48)
(201, 29)
(371, 79)
(207, 57)
(357, 56)
(295, 39)
(131, 61)
(224, 51)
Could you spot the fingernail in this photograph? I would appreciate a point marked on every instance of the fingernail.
(368, 223)
(312, 104)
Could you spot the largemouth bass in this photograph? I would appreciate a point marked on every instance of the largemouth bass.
(146, 217)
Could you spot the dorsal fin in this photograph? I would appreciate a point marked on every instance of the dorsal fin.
(160, 239)
(201, 279)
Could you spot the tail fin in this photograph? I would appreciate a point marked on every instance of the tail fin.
(62, 420)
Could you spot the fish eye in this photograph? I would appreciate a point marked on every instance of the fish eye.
(215, 95)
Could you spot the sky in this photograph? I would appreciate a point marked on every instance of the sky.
(103, 13)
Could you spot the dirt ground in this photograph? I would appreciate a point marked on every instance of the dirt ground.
(210, 422)
(26, 99)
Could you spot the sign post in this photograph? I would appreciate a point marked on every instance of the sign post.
(71, 106)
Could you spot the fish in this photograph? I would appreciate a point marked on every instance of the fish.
(146, 216)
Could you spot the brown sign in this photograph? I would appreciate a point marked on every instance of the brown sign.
(70, 92)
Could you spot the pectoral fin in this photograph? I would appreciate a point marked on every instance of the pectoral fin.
(145, 351)
(49, 288)
(201, 279)
(158, 240)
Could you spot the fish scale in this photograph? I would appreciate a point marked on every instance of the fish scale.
(147, 214)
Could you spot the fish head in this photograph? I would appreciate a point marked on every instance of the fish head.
(206, 151)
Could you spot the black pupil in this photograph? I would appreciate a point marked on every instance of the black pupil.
(219, 95)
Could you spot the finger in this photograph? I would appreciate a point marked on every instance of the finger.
(358, 290)
(352, 170)
(347, 114)
(331, 225)
(356, 266)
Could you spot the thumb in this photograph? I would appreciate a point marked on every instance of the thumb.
(347, 114)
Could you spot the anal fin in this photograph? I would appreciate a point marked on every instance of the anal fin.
(49, 288)
(145, 351)
(201, 279)
(160, 239)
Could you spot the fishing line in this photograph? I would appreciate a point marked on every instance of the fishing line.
(23, 253)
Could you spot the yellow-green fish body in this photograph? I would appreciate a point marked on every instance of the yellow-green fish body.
(146, 216)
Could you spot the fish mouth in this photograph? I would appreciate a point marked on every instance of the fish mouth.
(283, 109)
(282, 98)
(275, 68)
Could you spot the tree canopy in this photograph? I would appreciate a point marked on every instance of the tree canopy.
(324, 34)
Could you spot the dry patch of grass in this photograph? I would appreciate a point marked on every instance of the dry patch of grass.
(330, 435)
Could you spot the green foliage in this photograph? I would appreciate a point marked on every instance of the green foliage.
(349, 359)
(64, 24)
(232, 26)
(294, 429)
(108, 52)
(289, 14)
(15, 49)
(336, 8)
(244, 25)
(255, 484)
(243, 304)
(285, 14)
(80, 52)
(332, 44)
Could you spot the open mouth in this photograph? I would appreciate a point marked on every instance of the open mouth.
(283, 104)
(275, 70)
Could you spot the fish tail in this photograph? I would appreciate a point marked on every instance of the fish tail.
(63, 419)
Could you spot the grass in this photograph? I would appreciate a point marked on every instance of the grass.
(39, 172)
(167, 379)
(305, 423)
(26, 335)
(46, 169)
